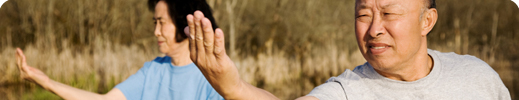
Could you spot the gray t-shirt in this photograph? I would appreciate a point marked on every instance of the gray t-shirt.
(453, 77)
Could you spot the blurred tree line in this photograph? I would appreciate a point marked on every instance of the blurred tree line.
(315, 37)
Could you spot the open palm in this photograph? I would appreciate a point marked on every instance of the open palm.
(207, 49)
(30, 73)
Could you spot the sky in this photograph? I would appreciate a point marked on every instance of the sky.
(2, 2)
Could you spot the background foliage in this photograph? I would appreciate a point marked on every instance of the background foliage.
(287, 47)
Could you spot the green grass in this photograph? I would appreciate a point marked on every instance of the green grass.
(40, 94)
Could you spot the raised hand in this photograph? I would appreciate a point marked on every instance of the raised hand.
(207, 49)
(30, 73)
(66, 92)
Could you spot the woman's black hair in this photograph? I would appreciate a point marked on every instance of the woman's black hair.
(179, 9)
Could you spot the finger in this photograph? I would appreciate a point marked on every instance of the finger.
(199, 37)
(208, 36)
(192, 47)
(20, 59)
(186, 31)
(191, 25)
(24, 61)
(219, 43)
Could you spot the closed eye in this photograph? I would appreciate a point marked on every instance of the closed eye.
(391, 16)
(362, 16)
(156, 20)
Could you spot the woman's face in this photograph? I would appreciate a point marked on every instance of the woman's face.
(165, 29)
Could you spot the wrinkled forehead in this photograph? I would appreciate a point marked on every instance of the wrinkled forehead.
(381, 4)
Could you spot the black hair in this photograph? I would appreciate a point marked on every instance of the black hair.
(179, 9)
(432, 4)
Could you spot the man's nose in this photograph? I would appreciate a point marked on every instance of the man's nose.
(377, 28)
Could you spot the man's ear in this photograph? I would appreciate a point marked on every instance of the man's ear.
(430, 18)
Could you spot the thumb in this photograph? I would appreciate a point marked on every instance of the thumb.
(186, 31)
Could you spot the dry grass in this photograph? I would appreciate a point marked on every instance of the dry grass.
(284, 46)
(97, 72)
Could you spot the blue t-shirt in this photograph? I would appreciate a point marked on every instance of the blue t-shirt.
(160, 80)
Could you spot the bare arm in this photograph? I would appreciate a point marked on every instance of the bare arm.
(207, 48)
(307, 98)
(64, 91)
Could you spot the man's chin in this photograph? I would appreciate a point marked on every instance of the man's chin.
(380, 57)
(381, 63)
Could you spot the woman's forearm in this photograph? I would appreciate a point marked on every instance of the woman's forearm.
(71, 93)
(66, 92)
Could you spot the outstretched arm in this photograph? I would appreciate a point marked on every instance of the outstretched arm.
(64, 91)
(207, 48)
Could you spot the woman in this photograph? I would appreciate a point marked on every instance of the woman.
(171, 77)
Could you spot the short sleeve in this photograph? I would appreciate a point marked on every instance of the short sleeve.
(132, 87)
(500, 88)
(213, 95)
(330, 90)
(504, 94)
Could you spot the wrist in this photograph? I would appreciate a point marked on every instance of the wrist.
(231, 91)
(48, 84)
(230, 84)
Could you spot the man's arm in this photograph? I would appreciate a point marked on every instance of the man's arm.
(307, 98)
(64, 91)
(207, 48)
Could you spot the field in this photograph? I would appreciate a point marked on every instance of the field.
(287, 47)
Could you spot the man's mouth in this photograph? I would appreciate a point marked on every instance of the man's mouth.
(378, 48)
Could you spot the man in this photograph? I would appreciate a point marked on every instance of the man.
(171, 77)
(392, 37)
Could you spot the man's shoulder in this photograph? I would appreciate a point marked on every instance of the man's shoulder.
(451, 59)
(346, 75)
(336, 88)
(352, 78)
(451, 56)
(472, 72)
(464, 64)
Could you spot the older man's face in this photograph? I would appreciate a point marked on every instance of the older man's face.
(389, 32)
